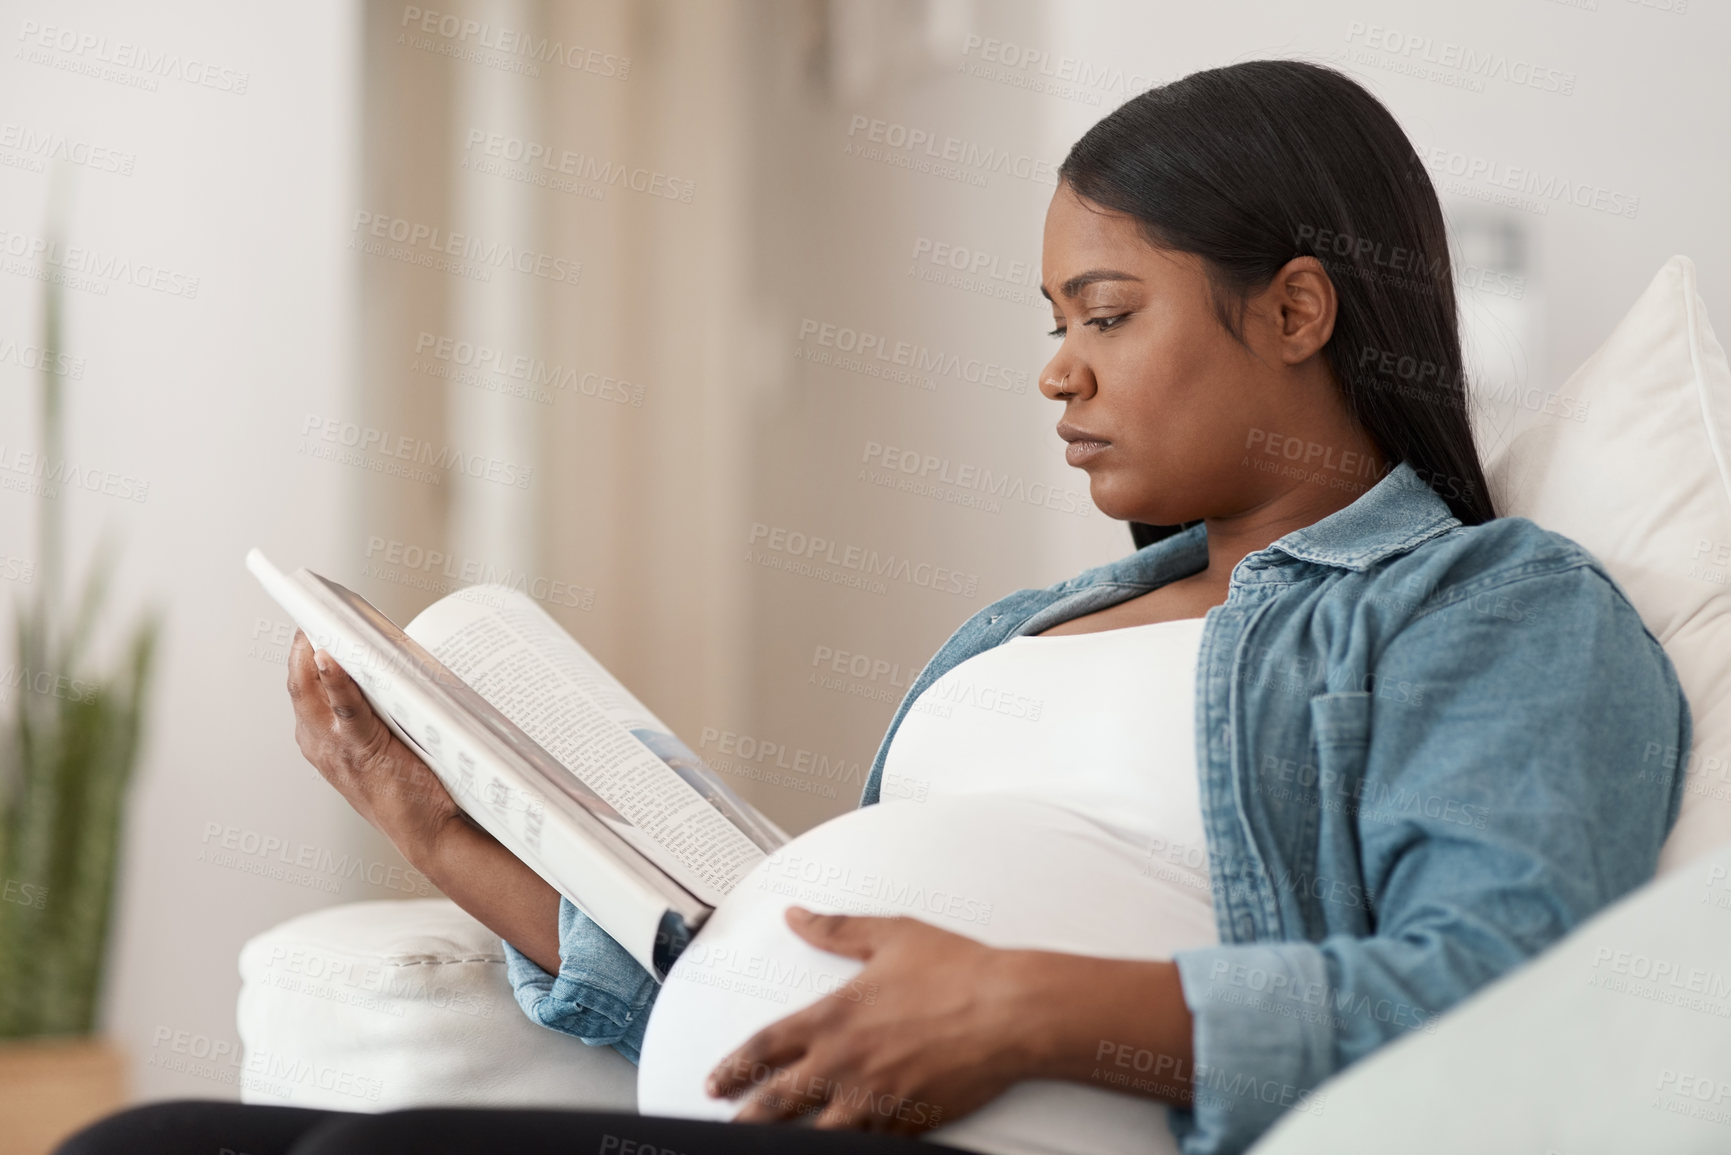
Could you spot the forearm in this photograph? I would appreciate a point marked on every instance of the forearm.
(1094, 1020)
(475, 871)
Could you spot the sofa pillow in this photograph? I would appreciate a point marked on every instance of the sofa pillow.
(375, 1006)
(1635, 464)
(1617, 1039)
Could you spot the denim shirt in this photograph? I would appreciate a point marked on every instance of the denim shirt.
(1426, 752)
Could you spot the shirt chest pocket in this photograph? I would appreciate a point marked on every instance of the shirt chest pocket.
(1340, 730)
(1340, 733)
(1341, 723)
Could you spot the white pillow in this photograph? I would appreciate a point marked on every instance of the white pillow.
(1616, 1040)
(375, 1006)
(1643, 480)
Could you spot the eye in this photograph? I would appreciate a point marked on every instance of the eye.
(1104, 324)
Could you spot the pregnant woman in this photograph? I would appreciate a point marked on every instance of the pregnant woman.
(1147, 855)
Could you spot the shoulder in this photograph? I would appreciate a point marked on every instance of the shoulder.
(1513, 569)
(1500, 552)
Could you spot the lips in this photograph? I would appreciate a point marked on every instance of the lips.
(1083, 445)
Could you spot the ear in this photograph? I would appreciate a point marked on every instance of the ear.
(1302, 300)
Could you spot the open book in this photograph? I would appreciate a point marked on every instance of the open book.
(547, 751)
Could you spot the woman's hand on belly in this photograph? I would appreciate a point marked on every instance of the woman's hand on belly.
(936, 1025)
(924, 1034)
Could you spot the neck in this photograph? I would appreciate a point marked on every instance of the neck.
(1234, 536)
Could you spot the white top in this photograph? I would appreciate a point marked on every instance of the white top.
(1042, 795)
(1102, 724)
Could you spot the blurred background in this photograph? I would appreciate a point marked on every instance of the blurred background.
(662, 311)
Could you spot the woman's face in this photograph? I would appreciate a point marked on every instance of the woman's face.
(1145, 365)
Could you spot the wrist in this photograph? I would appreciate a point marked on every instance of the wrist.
(1029, 1014)
(1077, 1011)
(428, 841)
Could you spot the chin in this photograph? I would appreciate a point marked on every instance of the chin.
(1120, 508)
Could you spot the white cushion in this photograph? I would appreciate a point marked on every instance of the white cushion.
(1643, 481)
(1616, 1040)
(374, 1006)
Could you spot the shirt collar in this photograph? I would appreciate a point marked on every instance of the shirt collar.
(1389, 518)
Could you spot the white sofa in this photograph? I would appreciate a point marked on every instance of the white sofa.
(1617, 1039)
(373, 1006)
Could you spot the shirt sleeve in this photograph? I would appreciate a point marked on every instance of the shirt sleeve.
(601, 994)
(1520, 770)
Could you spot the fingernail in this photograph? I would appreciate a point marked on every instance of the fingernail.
(321, 662)
(799, 912)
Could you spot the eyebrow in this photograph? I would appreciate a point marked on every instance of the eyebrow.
(1082, 280)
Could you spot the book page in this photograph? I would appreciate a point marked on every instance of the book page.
(520, 661)
(502, 778)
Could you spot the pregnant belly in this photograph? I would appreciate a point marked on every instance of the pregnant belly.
(1003, 870)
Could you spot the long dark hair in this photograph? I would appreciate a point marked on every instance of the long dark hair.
(1251, 165)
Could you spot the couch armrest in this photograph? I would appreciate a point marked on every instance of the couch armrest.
(374, 1006)
(1617, 1038)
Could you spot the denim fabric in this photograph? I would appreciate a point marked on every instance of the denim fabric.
(601, 993)
(1426, 752)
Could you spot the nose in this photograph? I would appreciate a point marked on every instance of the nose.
(1066, 377)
